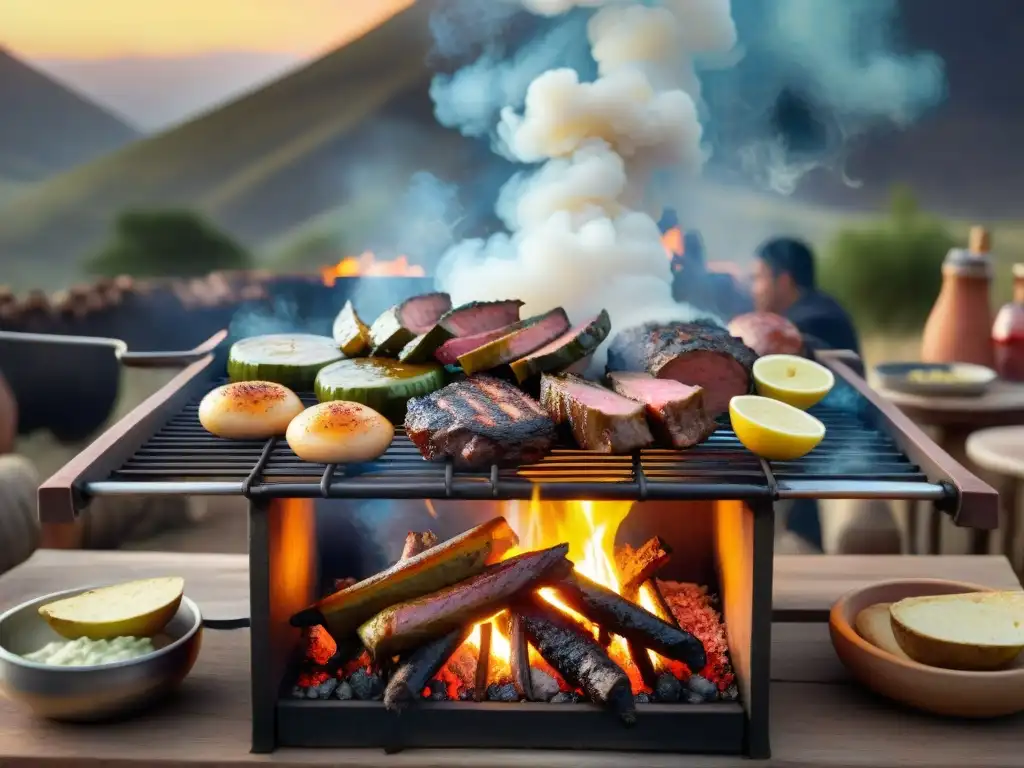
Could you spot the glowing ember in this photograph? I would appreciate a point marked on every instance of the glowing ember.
(368, 265)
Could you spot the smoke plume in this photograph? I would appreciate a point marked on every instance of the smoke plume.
(582, 229)
(614, 107)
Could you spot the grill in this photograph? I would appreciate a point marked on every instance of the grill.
(714, 504)
(855, 457)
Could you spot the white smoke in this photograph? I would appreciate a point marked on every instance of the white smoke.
(583, 230)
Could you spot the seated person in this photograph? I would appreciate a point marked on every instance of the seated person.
(784, 283)
(19, 526)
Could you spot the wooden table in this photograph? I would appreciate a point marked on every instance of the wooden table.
(954, 419)
(1000, 451)
(819, 719)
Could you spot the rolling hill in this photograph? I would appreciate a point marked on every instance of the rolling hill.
(47, 128)
(359, 116)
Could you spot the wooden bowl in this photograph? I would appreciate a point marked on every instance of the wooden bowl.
(950, 692)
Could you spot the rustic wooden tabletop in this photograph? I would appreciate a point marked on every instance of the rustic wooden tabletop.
(819, 718)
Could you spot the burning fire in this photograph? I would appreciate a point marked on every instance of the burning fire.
(673, 242)
(368, 265)
(589, 528)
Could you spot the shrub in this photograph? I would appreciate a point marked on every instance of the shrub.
(888, 274)
(166, 243)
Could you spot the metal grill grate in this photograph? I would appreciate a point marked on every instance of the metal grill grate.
(855, 460)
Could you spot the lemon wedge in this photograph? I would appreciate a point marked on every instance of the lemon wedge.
(772, 429)
(792, 379)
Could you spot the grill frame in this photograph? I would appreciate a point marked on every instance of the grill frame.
(277, 590)
(166, 420)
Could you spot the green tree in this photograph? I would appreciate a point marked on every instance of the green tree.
(167, 243)
(888, 274)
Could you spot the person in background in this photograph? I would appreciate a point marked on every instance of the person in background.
(784, 283)
(19, 524)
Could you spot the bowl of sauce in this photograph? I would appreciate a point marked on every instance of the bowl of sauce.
(89, 680)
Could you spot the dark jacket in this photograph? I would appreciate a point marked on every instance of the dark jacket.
(823, 322)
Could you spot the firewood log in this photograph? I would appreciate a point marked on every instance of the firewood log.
(407, 625)
(438, 567)
(576, 656)
(624, 617)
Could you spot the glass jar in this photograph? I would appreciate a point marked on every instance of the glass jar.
(1008, 332)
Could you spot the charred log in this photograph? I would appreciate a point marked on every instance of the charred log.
(638, 565)
(405, 626)
(623, 617)
(414, 672)
(520, 656)
(576, 656)
(483, 662)
(417, 542)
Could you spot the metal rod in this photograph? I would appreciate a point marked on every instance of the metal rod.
(175, 359)
(162, 488)
(867, 489)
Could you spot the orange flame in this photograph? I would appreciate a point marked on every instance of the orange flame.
(589, 528)
(672, 240)
(368, 265)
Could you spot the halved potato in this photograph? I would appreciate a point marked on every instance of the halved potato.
(133, 609)
(874, 625)
(975, 630)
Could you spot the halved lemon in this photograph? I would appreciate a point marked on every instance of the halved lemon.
(791, 379)
(772, 429)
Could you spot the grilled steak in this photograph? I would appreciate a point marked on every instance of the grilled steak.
(699, 354)
(449, 352)
(600, 420)
(480, 317)
(480, 421)
(537, 332)
(767, 333)
(675, 411)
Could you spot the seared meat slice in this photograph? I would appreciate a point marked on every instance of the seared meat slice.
(480, 317)
(480, 421)
(600, 420)
(699, 354)
(675, 411)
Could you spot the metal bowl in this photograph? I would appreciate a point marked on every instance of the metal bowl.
(101, 692)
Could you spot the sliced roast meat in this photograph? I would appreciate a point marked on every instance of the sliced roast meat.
(403, 322)
(600, 420)
(767, 333)
(675, 411)
(537, 332)
(421, 313)
(699, 354)
(449, 352)
(566, 350)
(481, 316)
(479, 421)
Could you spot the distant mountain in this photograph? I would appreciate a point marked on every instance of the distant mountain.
(156, 93)
(46, 128)
(355, 125)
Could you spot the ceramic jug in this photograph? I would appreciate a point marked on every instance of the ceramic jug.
(959, 328)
